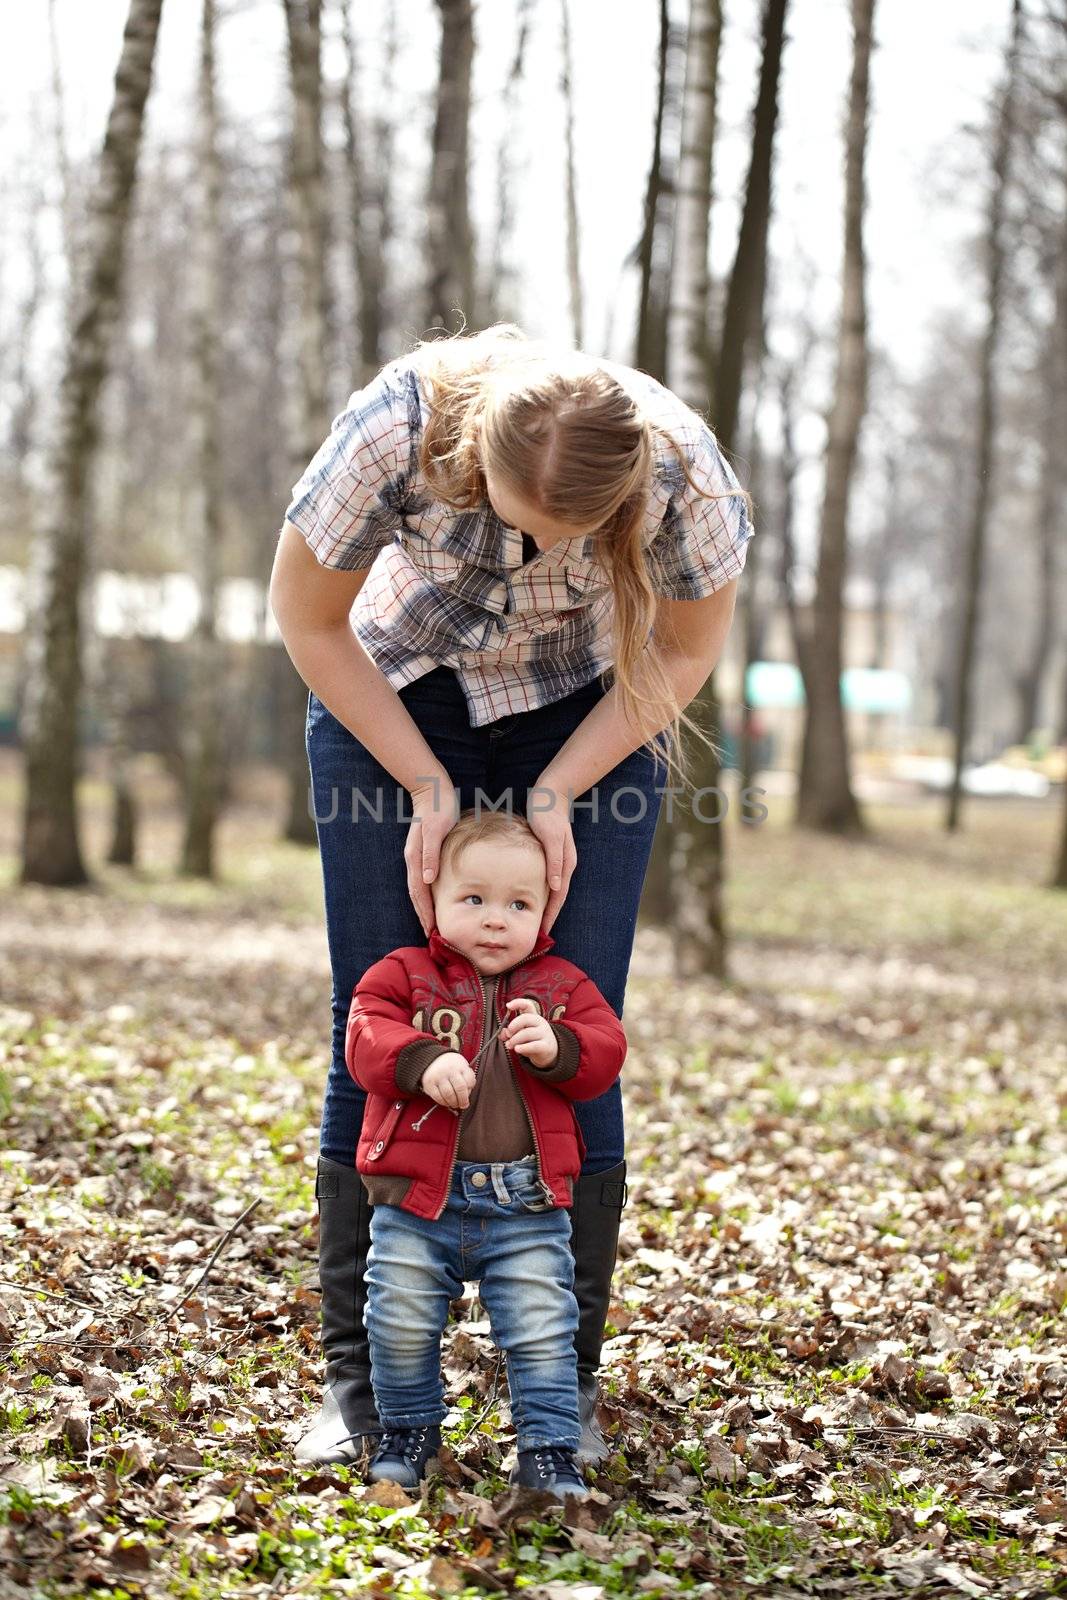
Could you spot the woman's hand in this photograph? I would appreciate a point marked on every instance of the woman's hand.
(433, 814)
(552, 825)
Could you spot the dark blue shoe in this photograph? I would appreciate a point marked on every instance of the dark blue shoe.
(553, 1468)
(402, 1455)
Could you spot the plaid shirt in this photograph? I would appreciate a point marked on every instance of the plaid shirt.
(451, 588)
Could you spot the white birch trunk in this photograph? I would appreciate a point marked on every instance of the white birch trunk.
(574, 263)
(51, 851)
(688, 366)
(824, 798)
(203, 786)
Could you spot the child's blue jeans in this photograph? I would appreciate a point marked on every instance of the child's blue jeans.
(361, 844)
(496, 1228)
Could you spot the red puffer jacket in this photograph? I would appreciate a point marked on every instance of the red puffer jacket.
(421, 1001)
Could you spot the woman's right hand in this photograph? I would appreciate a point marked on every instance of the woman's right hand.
(433, 813)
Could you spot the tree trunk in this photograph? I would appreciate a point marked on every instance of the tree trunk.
(502, 287)
(1031, 679)
(698, 924)
(111, 680)
(1049, 523)
(205, 717)
(743, 318)
(753, 617)
(698, 859)
(1059, 876)
(574, 268)
(67, 207)
(987, 419)
(825, 799)
(650, 354)
(312, 422)
(450, 243)
(369, 178)
(881, 566)
(790, 468)
(306, 192)
(51, 852)
(122, 851)
(687, 320)
(22, 428)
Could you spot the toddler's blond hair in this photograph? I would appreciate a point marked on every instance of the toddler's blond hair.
(473, 826)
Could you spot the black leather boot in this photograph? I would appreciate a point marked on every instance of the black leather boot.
(347, 1415)
(595, 1216)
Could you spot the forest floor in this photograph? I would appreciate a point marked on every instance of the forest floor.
(837, 1360)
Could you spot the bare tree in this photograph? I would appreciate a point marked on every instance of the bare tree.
(574, 269)
(450, 241)
(307, 199)
(60, 133)
(205, 719)
(112, 693)
(502, 289)
(652, 253)
(742, 329)
(368, 167)
(652, 256)
(25, 390)
(1050, 508)
(987, 416)
(698, 923)
(825, 799)
(687, 320)
(311, 423)
(754, 616)
(51, 851)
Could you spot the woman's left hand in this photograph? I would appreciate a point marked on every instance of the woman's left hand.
(552, 824)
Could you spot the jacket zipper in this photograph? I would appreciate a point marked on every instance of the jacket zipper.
(459, 1114)
(533, 1134)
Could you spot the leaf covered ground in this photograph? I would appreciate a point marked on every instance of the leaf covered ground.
(837, 1361)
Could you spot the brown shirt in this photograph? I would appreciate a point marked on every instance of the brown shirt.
(495, 1126)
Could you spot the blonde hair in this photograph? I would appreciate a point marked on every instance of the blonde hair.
(475, 825)
(557, 429)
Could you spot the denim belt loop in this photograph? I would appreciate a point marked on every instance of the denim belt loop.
(496, 1172)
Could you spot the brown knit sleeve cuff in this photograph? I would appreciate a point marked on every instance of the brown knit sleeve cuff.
(565, 1065)
(413, 1060)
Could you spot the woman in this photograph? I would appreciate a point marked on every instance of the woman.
(502, 577)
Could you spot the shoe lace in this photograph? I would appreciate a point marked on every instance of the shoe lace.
(404, 1442)
(555, 1460)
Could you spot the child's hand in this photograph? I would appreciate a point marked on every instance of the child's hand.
(449, 1080)
(529, 1033)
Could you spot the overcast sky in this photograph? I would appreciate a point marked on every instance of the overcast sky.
(931, 77)
(934, 66)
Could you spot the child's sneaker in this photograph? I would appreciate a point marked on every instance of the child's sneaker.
(402, 1455)
(553, 1468)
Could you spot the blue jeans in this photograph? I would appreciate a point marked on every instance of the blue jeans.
(497, 1228)
(368, 908)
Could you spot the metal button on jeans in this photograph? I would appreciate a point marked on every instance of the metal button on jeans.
(479, 1179)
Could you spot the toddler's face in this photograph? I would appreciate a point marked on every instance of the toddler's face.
(489, 903)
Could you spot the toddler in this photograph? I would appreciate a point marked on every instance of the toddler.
(472, 1049)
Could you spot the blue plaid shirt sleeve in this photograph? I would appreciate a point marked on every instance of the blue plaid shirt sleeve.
(701, 543)
(346, 504)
